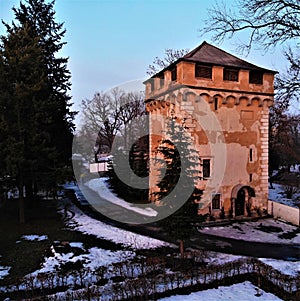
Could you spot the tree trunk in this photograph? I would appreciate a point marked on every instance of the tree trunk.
(29, 193)
(181, 248)
(35, 190)
(21, 204)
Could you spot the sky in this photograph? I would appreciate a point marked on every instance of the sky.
(111, 42)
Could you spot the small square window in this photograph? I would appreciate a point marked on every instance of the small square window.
(206, 168)
(216, 201)
(203, 71)
(231, 74)
(255, 77)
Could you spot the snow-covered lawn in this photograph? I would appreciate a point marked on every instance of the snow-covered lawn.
(277, 194)
(264, 230)
(239, 292)
(92, 258)
(88, 225)
(291, 268)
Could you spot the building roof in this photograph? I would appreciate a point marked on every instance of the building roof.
(209, 54)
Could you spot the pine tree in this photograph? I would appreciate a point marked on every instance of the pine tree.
(40, 15)
(36, 120)
(23, 82)
(179, 224)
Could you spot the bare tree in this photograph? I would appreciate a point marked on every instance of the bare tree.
(287, 83)
(284, 139)
(109, 114)
(267, 22)
(171, 55)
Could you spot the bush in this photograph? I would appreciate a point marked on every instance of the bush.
(289, 191)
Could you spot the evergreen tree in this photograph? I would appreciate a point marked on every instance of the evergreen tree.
(180, 224)
(23, 82)
(36, 121)
(40, 16)
(177, 148)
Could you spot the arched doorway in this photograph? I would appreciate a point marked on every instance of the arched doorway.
(240, 196)
(240, 202)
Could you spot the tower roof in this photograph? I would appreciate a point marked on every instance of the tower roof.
(209, 54)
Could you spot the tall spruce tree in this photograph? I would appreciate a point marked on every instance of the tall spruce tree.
(180, 224)
(36, 119)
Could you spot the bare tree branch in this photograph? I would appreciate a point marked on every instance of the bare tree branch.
(267, 22)
(107, 115)
(171, 55)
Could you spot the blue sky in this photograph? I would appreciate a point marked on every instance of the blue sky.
(112, 42)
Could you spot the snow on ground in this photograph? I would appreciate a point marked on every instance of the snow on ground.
(34, 237)
(285, 267)
(76, 245)
(100, 186)
(4, 271)
(291, 268)
(295, 168)
(242, 291)
(255, 231)
(92, 258)
(88, 225)
(278, 195)
(217, 258)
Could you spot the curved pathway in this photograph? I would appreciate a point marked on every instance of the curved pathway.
(209, 242)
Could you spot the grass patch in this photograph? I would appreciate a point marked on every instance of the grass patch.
(42, 218)
(24, 257)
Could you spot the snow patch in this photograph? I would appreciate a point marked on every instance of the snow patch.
(4, 271)
(93, 258)
(76, 245)
(216, 258)
(277, 194)
(34, 237)
(245, 291)
(285, 267)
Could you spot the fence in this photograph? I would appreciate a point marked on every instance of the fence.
(287, 213)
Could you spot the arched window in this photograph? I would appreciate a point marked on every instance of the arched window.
(215, 103)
